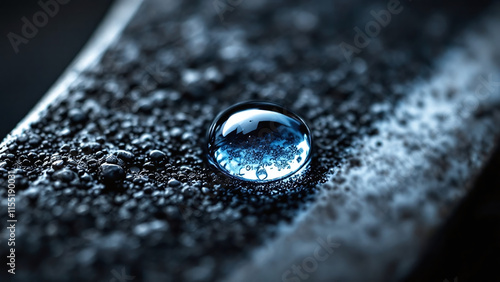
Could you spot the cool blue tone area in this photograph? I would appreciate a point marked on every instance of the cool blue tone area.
(259, 142)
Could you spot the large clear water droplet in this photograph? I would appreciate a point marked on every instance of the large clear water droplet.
(258, 142)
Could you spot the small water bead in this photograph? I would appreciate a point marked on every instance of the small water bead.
(258, 142)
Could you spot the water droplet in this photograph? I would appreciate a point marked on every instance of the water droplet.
(258, 142)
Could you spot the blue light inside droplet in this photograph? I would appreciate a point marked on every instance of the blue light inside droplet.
(258, 142)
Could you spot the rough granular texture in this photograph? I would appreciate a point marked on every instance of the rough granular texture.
(113, 176)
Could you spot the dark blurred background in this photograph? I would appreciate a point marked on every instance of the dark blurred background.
(26, 76)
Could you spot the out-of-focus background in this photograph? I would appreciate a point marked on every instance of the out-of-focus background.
(26, 76)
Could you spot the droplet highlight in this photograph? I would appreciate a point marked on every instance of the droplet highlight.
(259, 142)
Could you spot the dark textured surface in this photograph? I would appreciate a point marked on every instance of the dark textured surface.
(113, 175)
